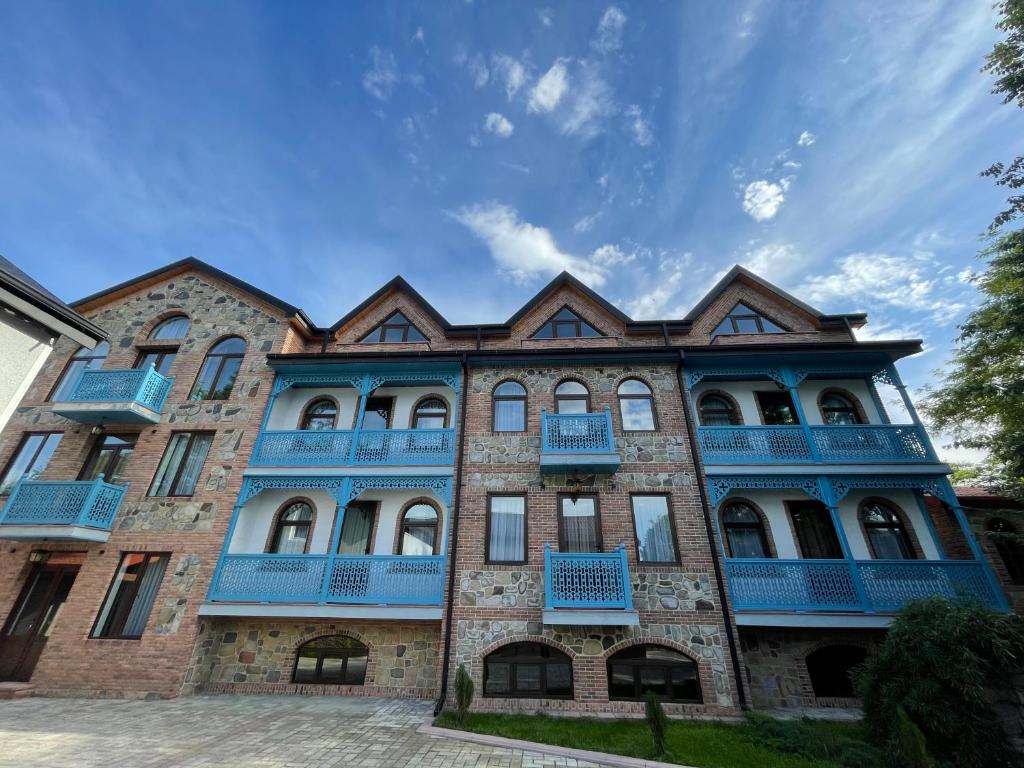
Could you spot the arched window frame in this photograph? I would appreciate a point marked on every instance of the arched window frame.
(736, 417)
(546, 656)
(761, 525)
(222, 360)
(860, 417)
(438, 526)
(571, 397)
(82, 354)
(649, 398)
(414, 420)
(280, 523)
(307, 415)
(1010, 552)
(904, 530)
(523, 398)
(332, 653)
(165, 321)
(666, 665)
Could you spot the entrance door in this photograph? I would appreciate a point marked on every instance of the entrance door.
(30, 623)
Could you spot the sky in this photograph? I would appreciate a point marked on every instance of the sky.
(479, 148)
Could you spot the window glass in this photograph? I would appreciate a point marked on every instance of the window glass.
(506, 523)
(653, 527)
(430, 414)
(31, 458)
(532, 670)
(356, 529)
(636, 406)
(83, 360)
(220, 369)
(815, 531)
(639, 669)
(744, 532)
(320, 415)
(130, 598)
(377, 414)
(109, 457)
(396, 328)
(510, 407)
(1007, 542)
(183, 460)
(743, 319)
(293, 528)
(571, 397)
(578, 524)
(161, 360)
(886, 534)
(717, 411)
(777, 408)
(419, 530)
(566, 324)
(171, 328)
(839, 410)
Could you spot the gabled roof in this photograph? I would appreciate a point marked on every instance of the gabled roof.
(33, 300)
(397, 283)
(561, 280)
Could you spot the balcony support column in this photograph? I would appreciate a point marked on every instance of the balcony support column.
(832, 502)
(919, 496)
(791, 380)
(364, 392)
(883, 417)
(339, 522)
(897, 382)
(243, 497)
(972, 542)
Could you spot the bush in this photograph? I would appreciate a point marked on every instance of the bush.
(940, 661)
(807, 739)
(658, 722)
(912, 743)
(463, 693)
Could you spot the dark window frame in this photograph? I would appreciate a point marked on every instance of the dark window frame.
(419, 404)
(17, 453)
(542, 660)
(855, 409)
(671, 524)
(901, 527)
(223, 358)
(578, 324)
(561, 519)
(733, 412)
(402, 525)
(320, 662)
(374, 509)
(181, 465)
(759, 525)
(523, 398)
(366, 409)
(176, 316)
(663, 664)
(380, 331)
(97, 447)
(306, 415)
(162, 353)
(73, 359)
(757, 317)
(776, 393)
(280, 524)
(559, 398)
(649, 397)
(526, 530)
(790, 504)
(137, 584)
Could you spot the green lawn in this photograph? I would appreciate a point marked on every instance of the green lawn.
(690, 742)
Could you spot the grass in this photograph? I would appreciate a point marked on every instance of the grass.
(705, 744)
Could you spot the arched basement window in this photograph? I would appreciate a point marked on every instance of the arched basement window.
(334, 660)
(671, 675)
(531, 670)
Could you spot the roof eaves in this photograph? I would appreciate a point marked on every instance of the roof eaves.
(397, 282)
(564, 278)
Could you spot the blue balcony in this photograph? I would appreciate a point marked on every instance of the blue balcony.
(577, 442)
(354, 448)
(588, 588)
(863, 586)
(133, 396)
(815, 444)
(77, 511)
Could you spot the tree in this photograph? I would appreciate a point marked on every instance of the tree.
(657, 721)
(1006, 62)
(463, 693)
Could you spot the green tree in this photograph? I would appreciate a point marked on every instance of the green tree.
(1006, 62)
(463, 693)
(657, 721)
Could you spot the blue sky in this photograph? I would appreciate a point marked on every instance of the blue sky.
(478, 148)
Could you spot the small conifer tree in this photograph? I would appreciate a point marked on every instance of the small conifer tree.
(463, 693)
(658, 722)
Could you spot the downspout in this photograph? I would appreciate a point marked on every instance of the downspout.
(698, 464)
(454, 544)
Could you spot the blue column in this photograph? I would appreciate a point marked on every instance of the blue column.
(339, 521)
(242, 498)
(976, 550)
(547, 576)
(789, 377)
(844, 544)
(883, 417)
(931, 524)
(364, 391)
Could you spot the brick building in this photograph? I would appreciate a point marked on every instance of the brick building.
(576, 506)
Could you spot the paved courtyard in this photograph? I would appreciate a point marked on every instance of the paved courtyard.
(247, 731)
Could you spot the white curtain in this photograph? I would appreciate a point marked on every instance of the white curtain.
(507, 528)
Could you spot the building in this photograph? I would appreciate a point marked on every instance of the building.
(574, 505)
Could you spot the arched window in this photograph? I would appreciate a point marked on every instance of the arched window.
(671, 675)
(837, 408)
(572, 397)
(636, 406)
(219, 371)
(419, 530)
(334, 660)
(172, 328)
(83, 360)
(532, 670)
(718, 411)
(885, 532)
(830, 670)
(744, 531)
(291, 532)
(510, 407)
(320, 414)
(1004, 536)
(430, 413)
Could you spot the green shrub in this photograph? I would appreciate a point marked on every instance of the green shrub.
(809, 739)
(463, 693)
(939, 661)
(657, 721)
(913, 749)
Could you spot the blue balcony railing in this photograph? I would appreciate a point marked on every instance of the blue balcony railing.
(873, 443)
(334, 448)
(326, 579)
(832, 585)
(594, 580)
(577, 432)
(106, 395)
(85, 503)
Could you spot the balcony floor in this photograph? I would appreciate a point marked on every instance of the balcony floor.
(107, 413)
(316, 611)
(593, 617)
(813, 620)
(53, 533)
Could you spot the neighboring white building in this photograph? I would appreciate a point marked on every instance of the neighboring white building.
(31, 321)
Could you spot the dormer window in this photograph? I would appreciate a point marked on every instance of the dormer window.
(393, 330)
(566, 324)
(742, 319)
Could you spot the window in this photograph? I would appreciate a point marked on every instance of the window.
(639, 669)
(839, 409)
(291, 532)
(182, 462)
(777, 408)
(636, 406)
(744, 531)
(320, 414)
(510, 407)
(334, 660)
(395, 329)
(718, 411)
(533, 670)
(357, 528)
(830, 670)
(572, 397)
(814, 530)
(742, 319)
(377, 413)
(30, 459)
(579, 529)
(419, 530)
(109, 457)
(161, 359)
(219, 371)
(506, 529)
(566, 324)
(1007, 542)
(130, 598)
(431, 413)
(885, 532)
(652, 523)
(83, 360)
(170, 329)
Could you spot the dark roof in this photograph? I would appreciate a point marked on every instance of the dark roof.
(14, 279)
(561, 280)
(397, 282)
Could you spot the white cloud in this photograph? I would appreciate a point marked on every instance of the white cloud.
(522, 250)
(511, 71)
(888, 330)
(762, 199)
(550, 88)
(478, 70)
(382, 76)
(592, 102)
(498, 125)
(419, 37)
(609, 30)
(806, 139)
(586, 223)
(547, 17)
(652, 304)
(474, 140)
(638, 126)
(772, 261)
(611, 256)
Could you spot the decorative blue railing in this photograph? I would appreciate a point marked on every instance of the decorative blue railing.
(805, 444)
(323, 579)
(587, 579)
(145, 386)
(873, 586)
(577, 432)
(87, 503)
(335, 448)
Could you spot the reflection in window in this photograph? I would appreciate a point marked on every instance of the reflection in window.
(886, 534)
(31, 458)
(639, 669)
(183, 460)
(743, 319)
(510, 407)
(718, 411)
(636, 405)
(653, 524)
(83, 360)
(160, 359)
(838, 409)
(219, 371)
(419, 530)
(291, 533)
(395, 329)
(744, 531)
(530, 670)
(430, 414)
(335, 660)
(320, 414)
(130, 598)
(172, 328)
(571, 397)
(566, 324)
(109, 457)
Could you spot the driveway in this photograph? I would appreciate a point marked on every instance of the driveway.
(239, 731)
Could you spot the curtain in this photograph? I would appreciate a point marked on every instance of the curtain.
(507, 529)
(653, 529)
(136, 621)
(355, 531)
(579, 525)
(193, 464)
(509, 415)
(169, 465)
(745, 542)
